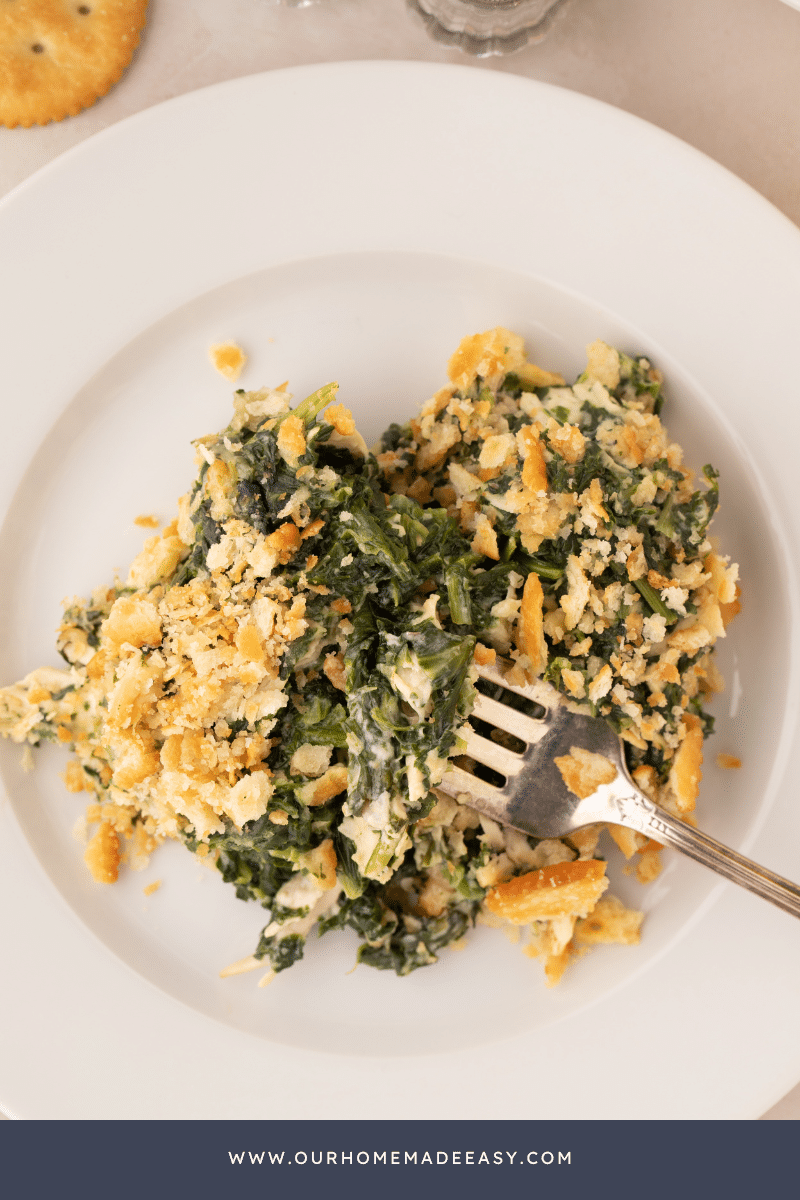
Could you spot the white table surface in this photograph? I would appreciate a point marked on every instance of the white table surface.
(725, 77)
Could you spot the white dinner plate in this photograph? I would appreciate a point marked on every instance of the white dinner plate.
(353, 221)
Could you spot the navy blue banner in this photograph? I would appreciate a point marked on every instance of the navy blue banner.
(396, 1159)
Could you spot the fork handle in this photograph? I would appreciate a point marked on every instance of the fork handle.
(643, 816)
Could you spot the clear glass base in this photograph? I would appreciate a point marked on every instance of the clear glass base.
(486, 27)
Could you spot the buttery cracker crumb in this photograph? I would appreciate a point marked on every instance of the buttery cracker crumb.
(228, 358)
(102, 855)
(564, 889)
(584, 772)
(728, 762)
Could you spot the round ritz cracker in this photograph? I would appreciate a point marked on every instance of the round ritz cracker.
(59, 56)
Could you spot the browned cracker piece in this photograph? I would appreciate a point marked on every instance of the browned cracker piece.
(584, 772)
(564, 889)
(102, 855)
(228, 358)
(59, 56)
(531, 633)
(610, 921)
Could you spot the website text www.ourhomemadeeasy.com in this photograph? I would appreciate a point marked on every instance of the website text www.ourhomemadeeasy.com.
(400, 1158)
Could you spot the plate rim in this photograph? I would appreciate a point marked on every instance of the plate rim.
(93, 147)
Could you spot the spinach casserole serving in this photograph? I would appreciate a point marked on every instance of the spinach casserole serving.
(285, 673)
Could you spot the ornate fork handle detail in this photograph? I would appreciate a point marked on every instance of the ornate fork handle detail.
(640, 814)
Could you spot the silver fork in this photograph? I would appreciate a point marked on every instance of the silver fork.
(536, 800)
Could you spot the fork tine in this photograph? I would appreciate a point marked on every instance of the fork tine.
(499, 758)
(503, 716)
(485, 796)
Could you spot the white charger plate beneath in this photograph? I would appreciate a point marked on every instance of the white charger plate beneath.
(353, 221)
